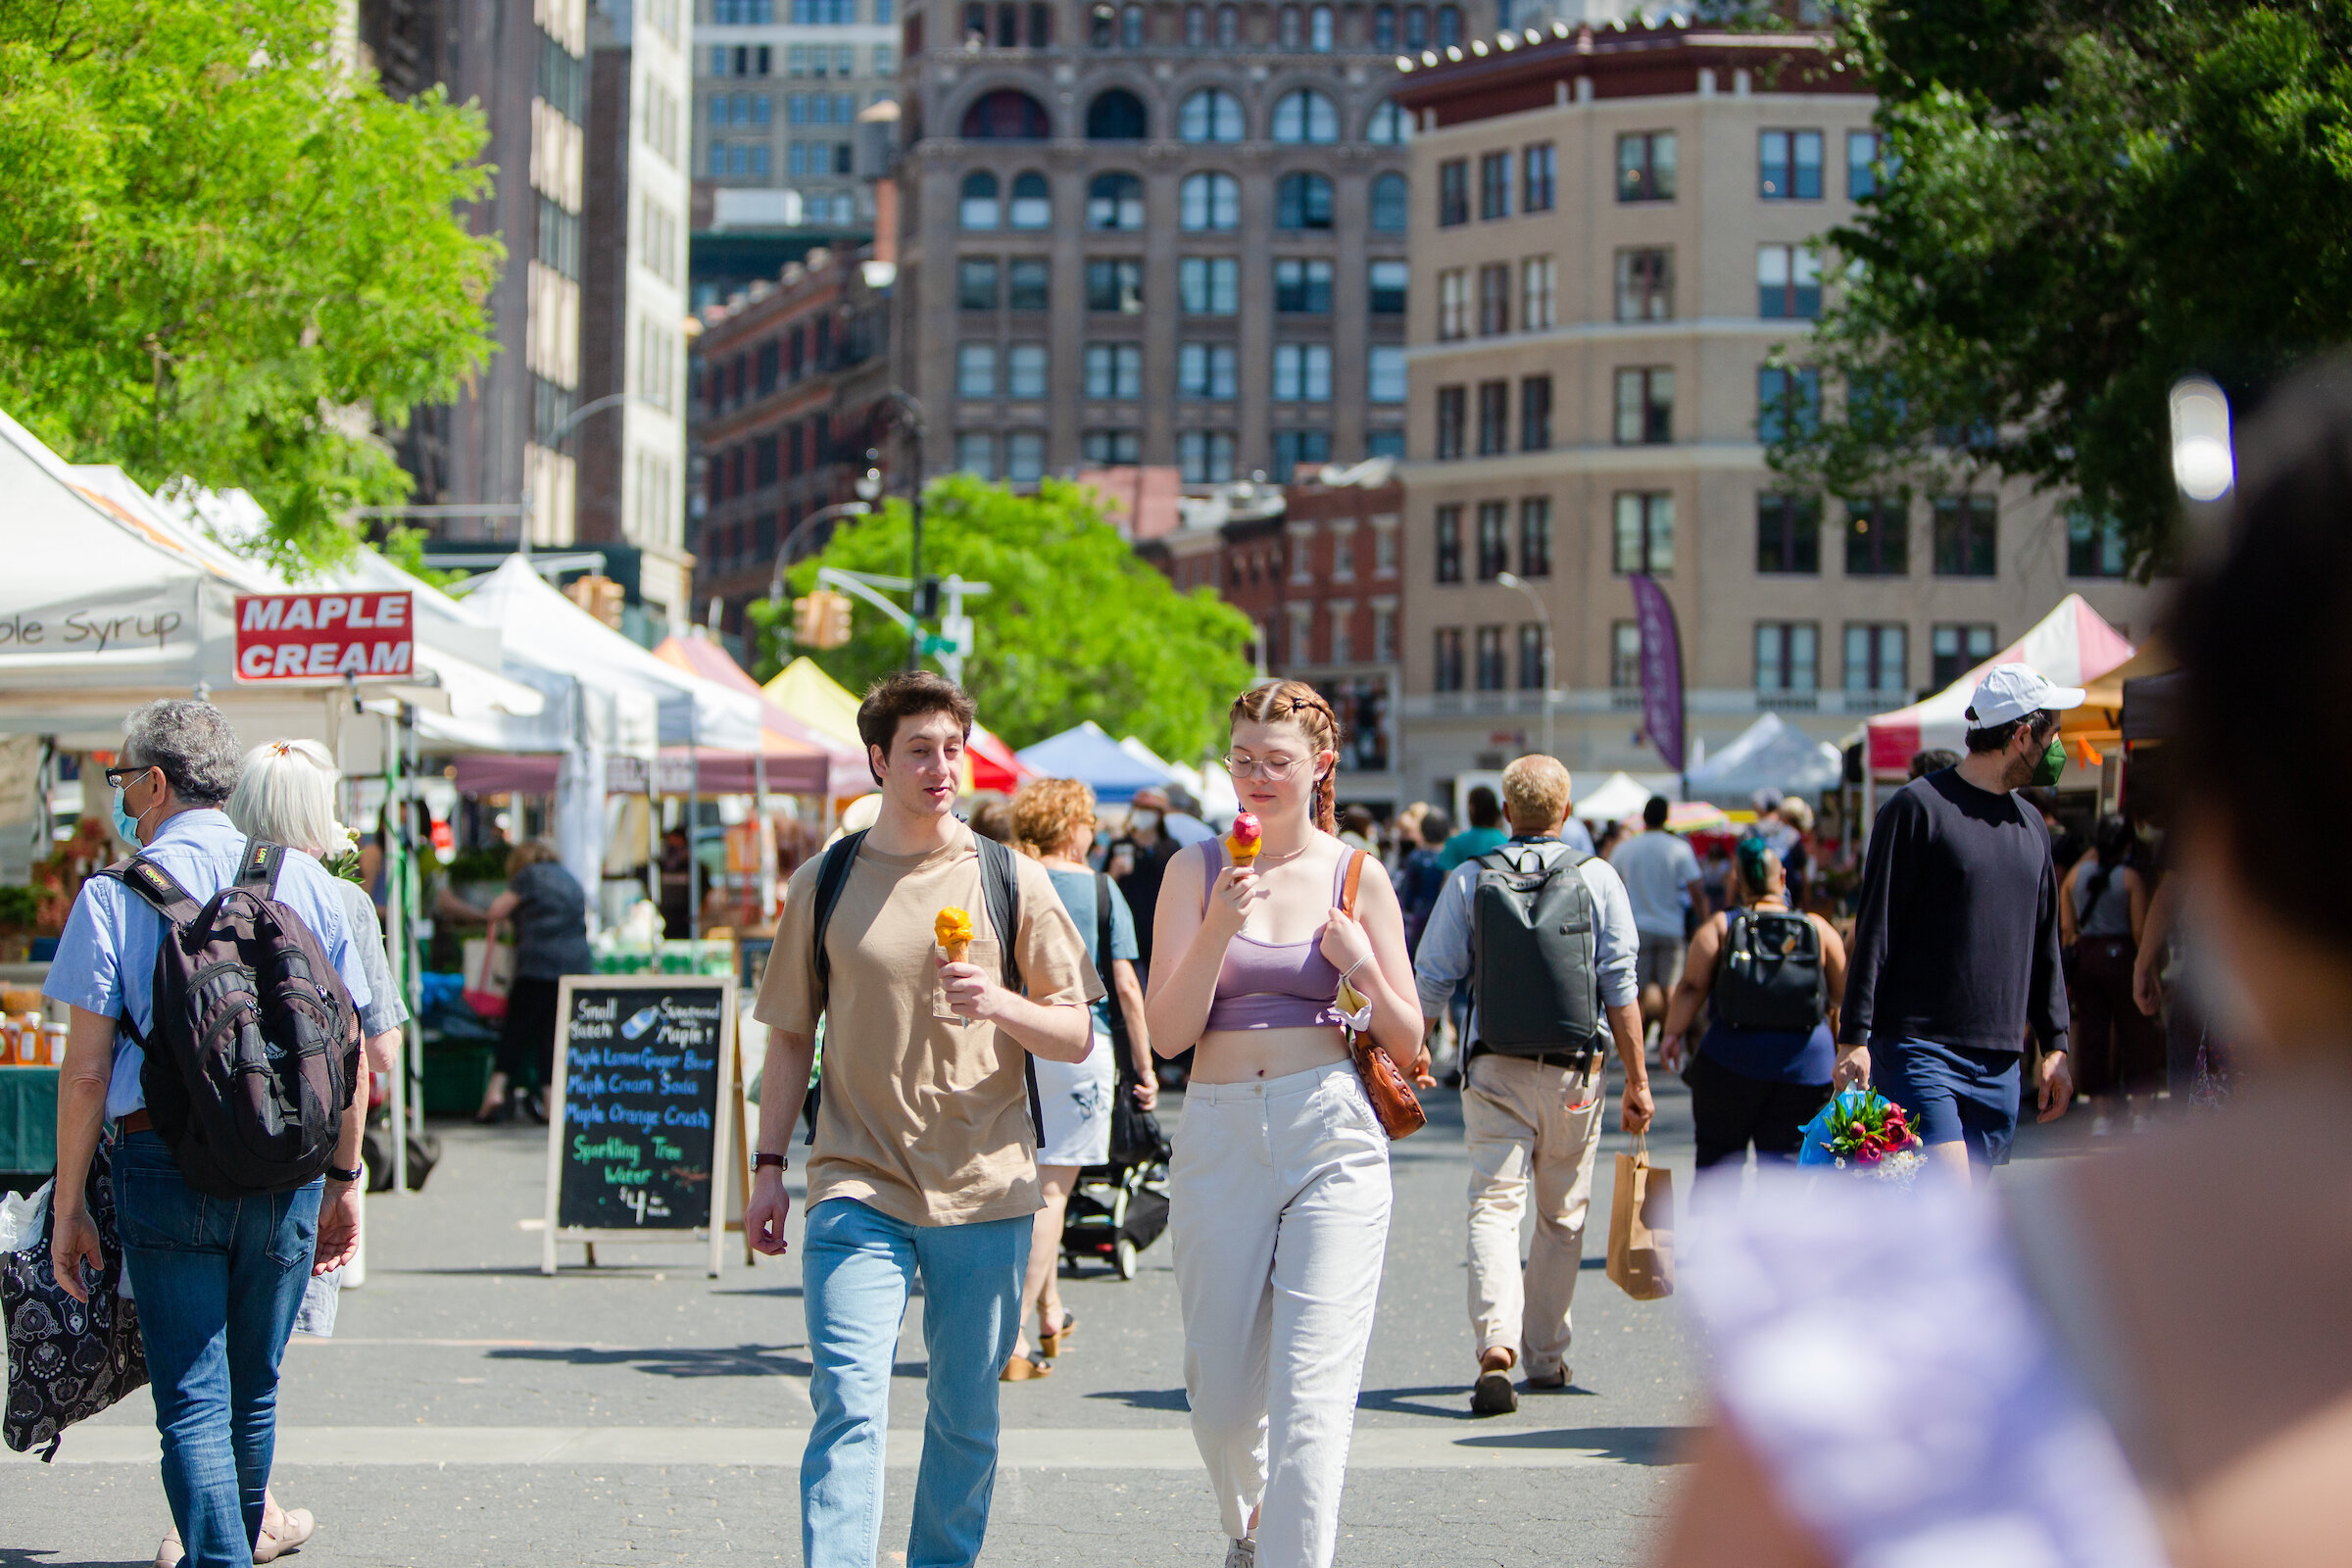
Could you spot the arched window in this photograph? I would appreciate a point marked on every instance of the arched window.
(1286, 26)
(1032, 205)
(1390, 126)
(1103, 27)
(1384, 26)
(1449, 27)
(1006, 115)
(1196, 27)
(1321, 36)
(1306, 116)
(1229, 27)
(1131, 26)
(1417, 27)
(1116, 116)
(1210, 202)
(1114, 202)
(978, 207)
(1303, 201)
(1210, 114)
(1388, 204)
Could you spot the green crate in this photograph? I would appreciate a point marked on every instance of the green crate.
(455, 1078)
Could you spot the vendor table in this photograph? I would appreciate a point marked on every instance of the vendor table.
(28, 1121)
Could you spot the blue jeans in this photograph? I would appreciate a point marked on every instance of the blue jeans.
(857, 1270)
(217, 1281)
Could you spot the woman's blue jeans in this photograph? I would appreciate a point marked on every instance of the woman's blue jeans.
(218, 1281)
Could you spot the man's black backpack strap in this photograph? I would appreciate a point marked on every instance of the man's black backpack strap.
(831, 879)
(259, 869)
(162, 890)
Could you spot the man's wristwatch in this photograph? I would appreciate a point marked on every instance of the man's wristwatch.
(356, 1173)
(765, 1158)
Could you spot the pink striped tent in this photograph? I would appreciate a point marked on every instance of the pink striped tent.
(2071, 646)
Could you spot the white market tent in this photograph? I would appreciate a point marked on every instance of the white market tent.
(1618, 797)
(2071, 646)
(1770, 753)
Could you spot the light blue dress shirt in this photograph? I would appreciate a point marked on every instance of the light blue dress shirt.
(106, 958)
(1443, 961)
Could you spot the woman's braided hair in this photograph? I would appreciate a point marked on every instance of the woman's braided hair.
(1297, 703)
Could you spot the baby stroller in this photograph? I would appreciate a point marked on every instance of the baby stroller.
(1120, 1209)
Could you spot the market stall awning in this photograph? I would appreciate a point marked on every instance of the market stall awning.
(1616, 798)
(789, 741)
(1770, 754)
(2071, 646)
(1088, 754)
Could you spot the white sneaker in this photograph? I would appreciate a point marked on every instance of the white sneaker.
(1241, 1554)
(2102, 1125)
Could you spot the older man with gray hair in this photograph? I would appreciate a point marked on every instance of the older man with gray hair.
(217, 1279)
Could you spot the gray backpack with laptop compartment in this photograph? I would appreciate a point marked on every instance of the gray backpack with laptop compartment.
(1533, 947)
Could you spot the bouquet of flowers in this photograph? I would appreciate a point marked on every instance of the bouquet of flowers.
(1861, 1130)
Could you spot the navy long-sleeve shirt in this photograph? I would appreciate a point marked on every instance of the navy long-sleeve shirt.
(1957, 937)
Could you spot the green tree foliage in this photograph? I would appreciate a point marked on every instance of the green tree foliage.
(2090, 199)
(1075, 627)
(227, 252)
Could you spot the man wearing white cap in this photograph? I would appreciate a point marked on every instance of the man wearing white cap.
(1956, 952)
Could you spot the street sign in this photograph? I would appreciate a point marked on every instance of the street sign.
(956, 632)
(367, 636)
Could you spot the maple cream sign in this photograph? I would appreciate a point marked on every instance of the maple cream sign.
(325, 636)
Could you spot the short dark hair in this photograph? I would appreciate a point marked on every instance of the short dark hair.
(1935, 760)
(1485, 809)
(1655, 812)
(909, 694)
(1436, 827)
(2041, 722)
(1357, 820)
(190, 742)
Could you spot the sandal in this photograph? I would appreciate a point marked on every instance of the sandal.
(1021, 1369)
(1049, 1340)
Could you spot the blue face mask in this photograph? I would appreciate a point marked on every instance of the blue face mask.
(126, 827)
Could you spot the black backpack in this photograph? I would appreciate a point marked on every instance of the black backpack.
(1770, 975)
(255, 1054)
(1534, 936)
(1136, 1138)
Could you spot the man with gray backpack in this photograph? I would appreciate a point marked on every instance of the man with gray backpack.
(1545, 937)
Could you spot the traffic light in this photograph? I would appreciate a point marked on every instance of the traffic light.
(836, 629)
(926, 599)
(821, 620)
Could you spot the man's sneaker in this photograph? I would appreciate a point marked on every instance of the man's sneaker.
(1493, 1395)
(1241, 1553)
(1549, 1381)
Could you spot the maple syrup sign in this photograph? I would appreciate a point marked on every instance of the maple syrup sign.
(370, 636)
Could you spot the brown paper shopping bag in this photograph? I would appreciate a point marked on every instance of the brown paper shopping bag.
(1642, 1227)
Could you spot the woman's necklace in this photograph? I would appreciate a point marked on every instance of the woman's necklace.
(1266, 863)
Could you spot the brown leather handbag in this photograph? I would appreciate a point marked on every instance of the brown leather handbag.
(1385, 1085)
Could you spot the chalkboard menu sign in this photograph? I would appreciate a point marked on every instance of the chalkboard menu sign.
(642, 1111)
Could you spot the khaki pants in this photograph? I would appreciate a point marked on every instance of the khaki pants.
(1526, 1124)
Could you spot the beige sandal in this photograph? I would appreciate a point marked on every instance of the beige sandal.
(1051, 1342)
(1021, 1369)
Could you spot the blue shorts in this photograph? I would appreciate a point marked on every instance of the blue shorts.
(1954, 1094)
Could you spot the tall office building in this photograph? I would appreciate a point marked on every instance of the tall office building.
(1611, 235)
(1168, 234)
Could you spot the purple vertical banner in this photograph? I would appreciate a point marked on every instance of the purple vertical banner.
(1662, 668)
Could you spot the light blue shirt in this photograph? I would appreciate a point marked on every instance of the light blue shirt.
(1443, 961)
(106, 958)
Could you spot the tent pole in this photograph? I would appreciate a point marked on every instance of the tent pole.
(694, 858)
(761, 832)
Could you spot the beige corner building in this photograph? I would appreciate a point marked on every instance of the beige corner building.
(1608, 237)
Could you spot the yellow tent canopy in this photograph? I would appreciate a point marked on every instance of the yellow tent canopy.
(815, 699)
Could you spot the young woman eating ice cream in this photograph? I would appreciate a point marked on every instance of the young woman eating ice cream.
(1279, 1190)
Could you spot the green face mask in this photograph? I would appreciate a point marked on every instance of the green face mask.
(2050, 765)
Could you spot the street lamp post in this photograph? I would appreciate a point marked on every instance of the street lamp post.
(1511, 579)
(841, 508)
(555, 443)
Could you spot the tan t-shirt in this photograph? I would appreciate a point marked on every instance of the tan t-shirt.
(926, 1121)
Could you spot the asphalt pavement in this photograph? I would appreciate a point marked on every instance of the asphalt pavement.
(471, 1410)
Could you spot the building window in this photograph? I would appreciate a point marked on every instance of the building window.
(1535, 537)
(1645, 533)
(1383, 633)
(1449, 27)
(1114, 202)
(1493, 417)
(1493, 540)
(1303, 373)
(2094, 546)
(1789, 165)
(1645, 285)
(1113, 448)
(1454, 192)
(1493, 299)
(1342, 553)
(1286, 27)
(1494, 185)
(1390, 211)
(1130, 27)
(1205, 457)
(1115, 284)
(1229, 27)
(1384, 551)
(1303, 201)
(1788, 535)
(1539, 183)
(1320, 33)
(1102, 28)
(1416, 28)
(1535, 413)
(1305, 118)
(976, 454)
(1210, 114)
(1388, 282)
(1292, 448)
(1025, 371)
(979, 208)
(1966, 536)
(1204, 371)
(1208, 285)
(1452, 406)
(1876, 658)
(1863, 164)
(1209, 202)
(1536, 282)
(1644, 407)
(1449, 544)
(1625, 655)
(1489, 658)
(1385, 379)
(1646, 166)
(1025, 457)
(1454, 304)
(976, 283)
(1445, 672)
(1391, 124)
(1788, 656)
(1115, 370)
(1384, 26)
(1007, 115)
(1116, 115)
(976, 371)
(1025, 283)
(1955, 650)
(1878, 538)
(1787, 401)
(1530, 656)
(1787, 282)
(1032, 205)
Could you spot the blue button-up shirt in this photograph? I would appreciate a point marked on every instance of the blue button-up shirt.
(1443, 961)
(106, 958)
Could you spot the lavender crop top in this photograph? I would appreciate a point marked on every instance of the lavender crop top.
(1272, 984)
